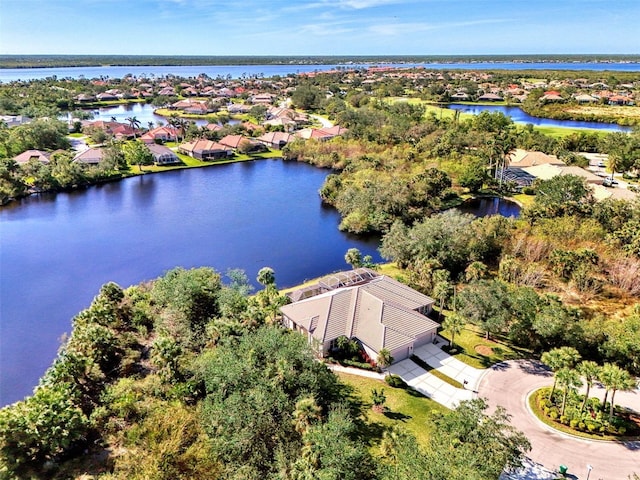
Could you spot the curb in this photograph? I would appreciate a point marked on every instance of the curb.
(633, 443)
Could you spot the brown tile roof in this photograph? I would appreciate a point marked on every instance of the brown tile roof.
(39, 155)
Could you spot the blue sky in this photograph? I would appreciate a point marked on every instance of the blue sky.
(318, 27)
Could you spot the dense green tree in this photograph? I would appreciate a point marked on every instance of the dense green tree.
(253, 386)
(486, 304)
(189, 299)
(332, 451)
(560, 195)
(40, 428)
(307, 97)
(137, 153)
(467, 444)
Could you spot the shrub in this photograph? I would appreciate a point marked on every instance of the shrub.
(395, 381)
(591, 426)
(553, 415)
(564, 420)
(622, 430)
(528, 191)
(582, 425)
(573, 423)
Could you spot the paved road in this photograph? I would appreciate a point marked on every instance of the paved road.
(509, 383)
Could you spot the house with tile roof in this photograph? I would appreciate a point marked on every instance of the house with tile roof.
(39, 155)
(375, 310)
(203, 149)
(163, 155)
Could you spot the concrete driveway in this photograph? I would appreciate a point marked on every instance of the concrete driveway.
(450, 366)
(430, 385)
(509, 384)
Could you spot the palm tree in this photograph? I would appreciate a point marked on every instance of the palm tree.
(558, 358)
(570, 380)
(454, 323)
(615, 378)
(475, 271)
(306, 413)
(134, 123)
(384, 358)
(266, 276)
(441, 288)
(589, 371)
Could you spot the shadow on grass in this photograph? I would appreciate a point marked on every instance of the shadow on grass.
(401, 417)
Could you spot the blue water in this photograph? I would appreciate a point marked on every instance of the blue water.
(142, 111)
(486, 206)
(238, 71)
(57, 250)
(519, 116)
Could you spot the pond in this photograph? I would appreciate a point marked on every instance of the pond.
(486, 206)
(519, 116)
(57, 250)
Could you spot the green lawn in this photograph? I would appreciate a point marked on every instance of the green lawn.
(406, 408)
(559, 132)
(471, 340)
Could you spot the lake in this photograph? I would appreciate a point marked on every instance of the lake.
(57, 250)
(238, 71)
(519, 116)
(142, 111)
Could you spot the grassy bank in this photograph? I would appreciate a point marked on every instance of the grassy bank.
(405, 407)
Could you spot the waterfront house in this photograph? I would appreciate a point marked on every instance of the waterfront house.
(375, 310)
(490, 97)
(166, 133)
(90, 156)
(163, 155)
(276, 140)
(39, 155)
(203, 149)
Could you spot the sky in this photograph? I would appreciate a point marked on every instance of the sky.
(319, 27)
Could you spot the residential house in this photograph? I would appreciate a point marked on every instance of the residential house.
(276, 140)
(203, 149)
(163, 155)
(520, 160)
(39, 155)
(106, 97)
(490, 97)
(166, 133)
(14, 120)
(90, 156)
(375, 310)
(315, 134)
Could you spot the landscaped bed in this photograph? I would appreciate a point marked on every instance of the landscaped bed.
(589, 422)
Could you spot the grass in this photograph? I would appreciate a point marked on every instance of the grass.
(559, 132)
(389, 269)
(524, 200)
(76, 135)
(405, 407)
(471, 337)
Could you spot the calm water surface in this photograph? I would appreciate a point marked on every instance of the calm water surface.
(519, 116)
(57, 250)
(486, 206)
(238, 71)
